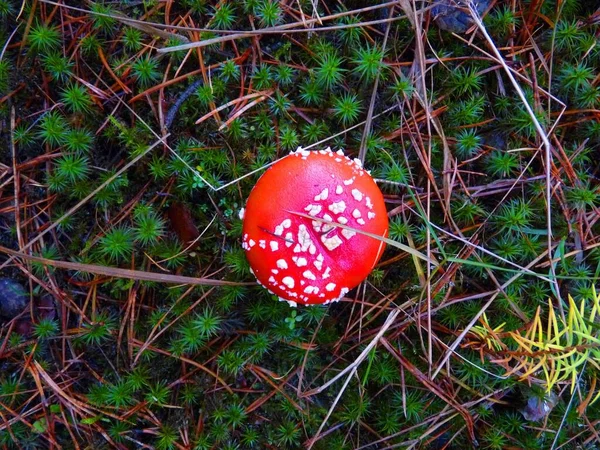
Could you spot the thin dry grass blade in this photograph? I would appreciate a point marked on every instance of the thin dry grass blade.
(122, 273)
(388, 241)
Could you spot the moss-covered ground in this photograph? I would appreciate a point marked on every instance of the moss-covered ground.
(131, 134)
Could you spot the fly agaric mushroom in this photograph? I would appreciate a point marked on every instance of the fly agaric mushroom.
(308, 261)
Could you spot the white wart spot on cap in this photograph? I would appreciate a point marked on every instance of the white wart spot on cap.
(274, 246)
(356, 213)
(313, 210)
(300, 261)
(369, 203)
(330, 287)
(289, 239)
(339, 190)
(323, 195)
(348, 233)
(361, 221)
(319, 262)
(309, 275)
(349, 182)
(289, 282)
(304, 237)
(342, 220)
(281, 264)
(262, 243)
(371, 215)
(332, 242)
(311, 290)
(358, 196)
(326, 227)
(338, 207)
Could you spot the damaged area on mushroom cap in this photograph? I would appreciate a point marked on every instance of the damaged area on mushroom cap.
(305, 251)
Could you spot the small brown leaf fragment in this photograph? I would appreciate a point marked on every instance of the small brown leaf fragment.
(182, 223)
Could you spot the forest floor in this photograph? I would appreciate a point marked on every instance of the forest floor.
(131, 135)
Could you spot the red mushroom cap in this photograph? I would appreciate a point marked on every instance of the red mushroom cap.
(309, 261)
